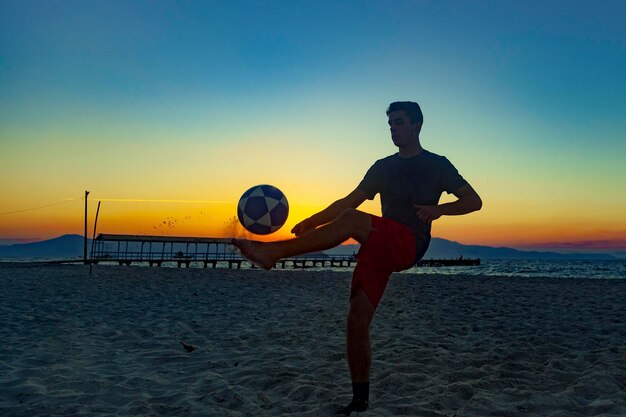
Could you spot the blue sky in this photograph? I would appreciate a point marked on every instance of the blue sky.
(526, 98)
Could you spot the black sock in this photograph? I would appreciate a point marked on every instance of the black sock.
(361, 391)
(360, 398)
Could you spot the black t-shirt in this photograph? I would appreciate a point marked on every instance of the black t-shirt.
(404, 182)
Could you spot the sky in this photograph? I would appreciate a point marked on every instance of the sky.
(168, 111)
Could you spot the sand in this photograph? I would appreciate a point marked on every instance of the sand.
(272, 344)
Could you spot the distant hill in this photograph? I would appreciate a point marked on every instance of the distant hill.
(447, 249)
(66, 247)
(71, 247)
(442, 248)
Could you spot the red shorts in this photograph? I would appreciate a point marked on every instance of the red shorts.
(390, 247)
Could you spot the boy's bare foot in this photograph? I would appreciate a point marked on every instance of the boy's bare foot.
(256, 252)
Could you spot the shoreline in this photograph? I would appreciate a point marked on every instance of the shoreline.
(272, 343)
(493, 268)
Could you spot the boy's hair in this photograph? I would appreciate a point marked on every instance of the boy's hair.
(411, 108)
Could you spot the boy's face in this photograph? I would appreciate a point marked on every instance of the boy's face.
(403, 132)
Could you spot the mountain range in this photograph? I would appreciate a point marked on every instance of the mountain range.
(447, 249)
(71, 247)
(65, 247)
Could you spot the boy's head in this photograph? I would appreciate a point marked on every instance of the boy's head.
(411, 109)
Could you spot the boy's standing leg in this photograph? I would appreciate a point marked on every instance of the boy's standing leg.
(358, 349)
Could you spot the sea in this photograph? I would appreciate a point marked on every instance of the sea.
(525, 268)
(529, 268)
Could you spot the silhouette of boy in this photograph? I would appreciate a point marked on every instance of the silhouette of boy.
(410, 183)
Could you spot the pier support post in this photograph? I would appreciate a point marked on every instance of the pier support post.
(85, 240)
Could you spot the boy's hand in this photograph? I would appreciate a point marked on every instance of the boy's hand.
(303, 227)
(428, 213)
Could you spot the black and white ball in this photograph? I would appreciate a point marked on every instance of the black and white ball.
(263, 209)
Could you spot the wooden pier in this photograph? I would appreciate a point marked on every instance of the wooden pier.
(183, 251)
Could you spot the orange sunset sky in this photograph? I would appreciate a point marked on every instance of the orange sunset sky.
(167, 112)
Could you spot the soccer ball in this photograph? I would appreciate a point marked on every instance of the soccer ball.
(263, 209)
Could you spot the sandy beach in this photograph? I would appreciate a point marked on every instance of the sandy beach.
(272, 344)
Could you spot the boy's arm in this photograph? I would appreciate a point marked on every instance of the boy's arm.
(352, 200)
(468, 201)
